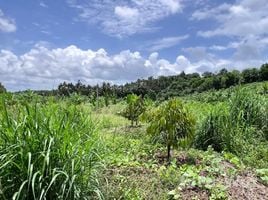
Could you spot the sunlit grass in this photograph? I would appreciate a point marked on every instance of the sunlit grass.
(48, 152)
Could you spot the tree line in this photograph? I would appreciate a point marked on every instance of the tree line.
(164, 87)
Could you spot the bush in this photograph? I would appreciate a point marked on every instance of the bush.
(47, 152)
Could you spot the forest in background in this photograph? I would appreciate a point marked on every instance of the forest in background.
(164, 87)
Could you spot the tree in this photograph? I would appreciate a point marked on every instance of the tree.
(250, 75)
(207, 84)
(135, 107)
(232, 78)
(172, 122)
(2, 88)
(207, 74)
(264, 72)
(223, 71)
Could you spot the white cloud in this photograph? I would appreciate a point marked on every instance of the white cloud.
(124, 18)
(44, 68)
(125, 12)
(245, 22)
(173, 5)
(244, 18)
(6, 24)
(165, 43)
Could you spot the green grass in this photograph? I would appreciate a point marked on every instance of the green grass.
(48, 151)
(53, 148)
(133, 169)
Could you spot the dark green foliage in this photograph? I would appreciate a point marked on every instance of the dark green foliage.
(2, 88)
(250, 75)
(264, 72)
(106, 100)
(170, 86)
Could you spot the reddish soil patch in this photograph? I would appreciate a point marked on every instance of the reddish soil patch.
(247, 187)
(194, 193)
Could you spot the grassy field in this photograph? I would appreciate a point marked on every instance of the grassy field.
(60, 149)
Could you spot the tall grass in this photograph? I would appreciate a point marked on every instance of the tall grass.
(48, 152)
(247, 107)
(212, 128)
(240, 127)
(249, 110)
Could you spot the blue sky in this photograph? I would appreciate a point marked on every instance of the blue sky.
(43, 43)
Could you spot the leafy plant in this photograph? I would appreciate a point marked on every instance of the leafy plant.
(190, 178)
(135, 107)
(173, 123)
(263, 175)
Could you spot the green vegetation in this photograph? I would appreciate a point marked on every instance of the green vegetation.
(48, 151)
(263, 174)
(172, 124)
(164, 87)
(2, 88)
(82, 147)
(135, 107)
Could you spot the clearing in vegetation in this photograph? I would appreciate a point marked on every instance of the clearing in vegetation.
(71, 148)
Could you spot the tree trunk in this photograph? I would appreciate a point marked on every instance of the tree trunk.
(168, 153)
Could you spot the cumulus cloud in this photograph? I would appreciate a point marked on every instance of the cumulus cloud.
(245, 22)
(6, 24)
(124, 18)
(44, 68)
(245, 17)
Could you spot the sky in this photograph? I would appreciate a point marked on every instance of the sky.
(46, 42)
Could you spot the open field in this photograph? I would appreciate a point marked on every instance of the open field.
(61, 148)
